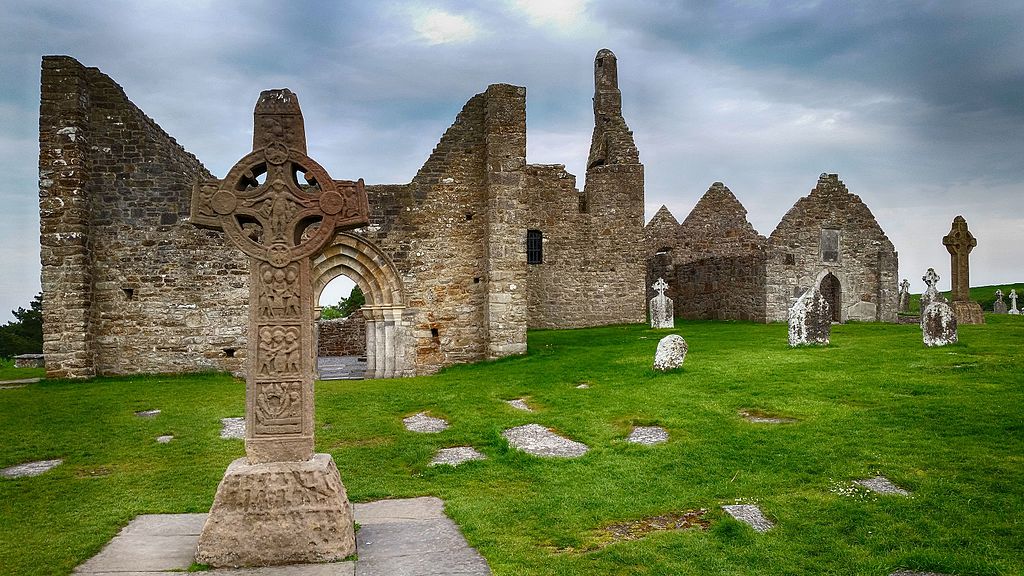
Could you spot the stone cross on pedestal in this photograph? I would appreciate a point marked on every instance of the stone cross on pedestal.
(1013, 301)
(959, 243)
(281, 504)
(904, 296)
(661, 307)
(999, 307)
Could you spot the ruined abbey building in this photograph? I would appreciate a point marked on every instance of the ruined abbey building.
(455, 265)
(719, 267)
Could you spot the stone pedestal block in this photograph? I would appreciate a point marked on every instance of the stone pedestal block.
(968, 312)
(278, 513)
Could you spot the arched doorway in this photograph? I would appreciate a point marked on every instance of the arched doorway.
(832, 291)
(341, 331)
(366, 265)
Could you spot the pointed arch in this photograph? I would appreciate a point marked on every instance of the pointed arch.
(376, 275)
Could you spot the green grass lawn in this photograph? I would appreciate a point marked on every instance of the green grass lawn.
(983, 295)
(945, 423)
(9, 372)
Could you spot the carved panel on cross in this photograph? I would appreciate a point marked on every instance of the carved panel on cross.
(279, 354)
(278, 292)
(278, 408)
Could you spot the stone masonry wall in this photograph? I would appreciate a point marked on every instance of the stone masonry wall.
(129, 286)
(866, 263)
(342, 336)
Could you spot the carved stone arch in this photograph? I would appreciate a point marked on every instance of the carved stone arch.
(376, 275)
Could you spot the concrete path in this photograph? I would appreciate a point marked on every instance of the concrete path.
(404, 537)
(340, 368)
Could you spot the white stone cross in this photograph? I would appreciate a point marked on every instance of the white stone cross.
(999, 294)
(931, 278)
(1013, 301)
(905, 286)
(660, 286)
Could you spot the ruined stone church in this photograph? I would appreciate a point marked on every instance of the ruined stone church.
(455, 265)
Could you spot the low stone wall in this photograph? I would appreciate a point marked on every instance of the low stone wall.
(29, 361)
(342, 336)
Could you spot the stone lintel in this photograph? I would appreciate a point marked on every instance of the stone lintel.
(278, 513)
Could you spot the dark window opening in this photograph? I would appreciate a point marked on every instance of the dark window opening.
(229, 352)
(433, 333)
(789, 259)
(583, 203)
(469, 216)
(534, 247)
(129, 293)
(476, 280)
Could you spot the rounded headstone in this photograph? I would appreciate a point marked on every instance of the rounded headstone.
(938, 324)
(671, 353)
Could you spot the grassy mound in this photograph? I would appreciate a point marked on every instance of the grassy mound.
(945, 424)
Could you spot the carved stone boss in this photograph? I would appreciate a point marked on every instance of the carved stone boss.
(280, 208)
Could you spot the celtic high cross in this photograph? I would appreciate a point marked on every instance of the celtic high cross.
(660, 286)
(279, 207)
(959, 243)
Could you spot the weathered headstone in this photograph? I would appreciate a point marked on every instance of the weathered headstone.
(671, 353)
(661, 307)
(931, 293)
(999, 307)
(282, 503)
(938, 324)
(1013, 301)
(810, 320)
(904, 297)
(959, 243)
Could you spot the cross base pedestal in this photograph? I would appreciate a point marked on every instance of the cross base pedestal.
(968, 312)
(278, 513)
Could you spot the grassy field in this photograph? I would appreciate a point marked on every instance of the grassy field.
(9, 372)
(983, 295)
(946, 424)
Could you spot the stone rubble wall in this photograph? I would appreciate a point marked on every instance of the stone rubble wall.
(867, 264)
(129, 286)
(342, 336)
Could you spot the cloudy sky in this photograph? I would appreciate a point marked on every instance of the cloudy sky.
(919, 106)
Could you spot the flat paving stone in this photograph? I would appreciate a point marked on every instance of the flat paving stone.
(147, 413)
(19, 383)
(165, 439)
(583, 386)
(30, 468)
(749, 514)
(424, 424)
(539, 441)
(232, 428)
(456, 455)
(882, 485)
(911, 573)
(519, 404)
(341, 367)
(410, 536)
(648, 435)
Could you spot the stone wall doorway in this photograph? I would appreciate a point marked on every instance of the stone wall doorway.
(386, 332)
(832, 290)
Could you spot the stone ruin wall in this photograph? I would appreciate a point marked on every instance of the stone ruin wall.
(342, 336)
(867, 264)
(128, 284)
(714, 261)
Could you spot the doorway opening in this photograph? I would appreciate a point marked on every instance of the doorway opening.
(832, 291)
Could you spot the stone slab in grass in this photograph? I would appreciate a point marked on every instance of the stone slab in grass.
(30, 468)
(582, 386)
(911, 573)
(232, 428)
(519, 404)
(539, 441)
(147, 413)
(456, 455)
(882, 485)
(648, 435)
(749, 514)
(165, 439)
(760, 418)
(424, 424)
(19, 383)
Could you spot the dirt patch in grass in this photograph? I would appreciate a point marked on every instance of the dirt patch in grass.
(762, 417)
(631, 530)
(92, 472)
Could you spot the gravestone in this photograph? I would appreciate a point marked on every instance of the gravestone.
(281, 504)
(938, 324)
(662, 313)
(904, 297)
(671, 353)
(959, 243)
(999, 307)
(810, 319)
(931, 293)
(1013, 301)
